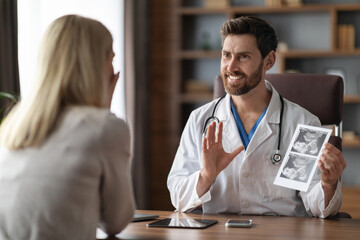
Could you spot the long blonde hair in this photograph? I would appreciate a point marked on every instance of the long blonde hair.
(71, 71)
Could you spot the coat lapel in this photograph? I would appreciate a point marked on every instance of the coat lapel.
(231, 137)
(268, 124)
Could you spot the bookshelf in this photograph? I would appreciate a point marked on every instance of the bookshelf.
(176, 56)
(317, 50)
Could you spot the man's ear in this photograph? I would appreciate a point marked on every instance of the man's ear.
(269, 60)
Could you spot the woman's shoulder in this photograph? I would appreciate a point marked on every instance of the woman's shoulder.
(99, 120)
(91, 114)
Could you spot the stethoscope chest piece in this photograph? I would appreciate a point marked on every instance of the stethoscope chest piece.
(276, 158)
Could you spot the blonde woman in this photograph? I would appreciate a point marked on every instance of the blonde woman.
(64, 158)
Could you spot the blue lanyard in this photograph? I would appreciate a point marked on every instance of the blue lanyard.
(244, 137)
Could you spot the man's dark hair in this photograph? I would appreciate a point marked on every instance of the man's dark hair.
(264, 33)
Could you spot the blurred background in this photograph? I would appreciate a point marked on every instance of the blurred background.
(168, 53)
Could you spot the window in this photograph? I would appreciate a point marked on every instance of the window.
(34, 16)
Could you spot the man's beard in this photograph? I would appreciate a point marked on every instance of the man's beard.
(245, 85)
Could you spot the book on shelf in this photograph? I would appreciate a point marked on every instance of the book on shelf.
(350, 138)
(195, 86)
(293, 3)
(280, 3)
(216, 3)
(273, 3)
(346, 37)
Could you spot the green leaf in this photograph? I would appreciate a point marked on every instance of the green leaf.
(10, 96)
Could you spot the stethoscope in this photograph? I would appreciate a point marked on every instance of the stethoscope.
(276, 157)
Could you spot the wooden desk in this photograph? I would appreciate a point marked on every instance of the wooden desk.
(264, 227)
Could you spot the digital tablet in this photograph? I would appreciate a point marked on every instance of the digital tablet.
(183, 223)
(144, 217)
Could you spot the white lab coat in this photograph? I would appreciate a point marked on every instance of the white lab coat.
(246, 186)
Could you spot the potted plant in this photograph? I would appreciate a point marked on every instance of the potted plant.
(7, 101)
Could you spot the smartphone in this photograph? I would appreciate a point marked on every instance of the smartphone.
(143, 217)
(239, 223)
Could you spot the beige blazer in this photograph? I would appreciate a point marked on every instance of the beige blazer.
(79, 178)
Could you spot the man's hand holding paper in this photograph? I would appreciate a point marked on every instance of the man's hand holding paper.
(331, 164)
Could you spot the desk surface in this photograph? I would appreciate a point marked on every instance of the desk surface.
(264, 227)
